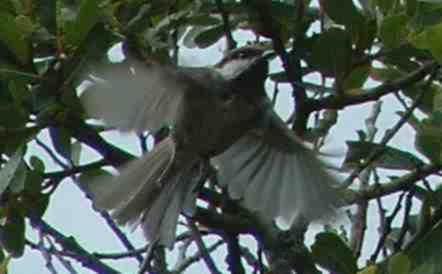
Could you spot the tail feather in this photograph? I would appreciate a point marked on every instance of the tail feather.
(135, 176)
(151, 190)
(154, 171)
(161, 220)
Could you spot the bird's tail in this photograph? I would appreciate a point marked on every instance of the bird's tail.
(150, 191)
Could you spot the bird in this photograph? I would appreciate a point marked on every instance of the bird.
(219, 113)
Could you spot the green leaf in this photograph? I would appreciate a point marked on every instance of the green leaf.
(33, 183)
(7, 6)
(432, 198)
(385, 74)
(392, 158)
(385, 5)
(431, 100)
(13, 34)
(76, 152)
(343, 12)
(46, 12)
(393, 30)
(90, 53)
(189, 37)
(203, 20)
(372, 269)
(10, 140)
(210, 36)
(4, 265)
(399, 264)
(332, 52)
(428, 137)
(19, 92)
(363, 35)
(330, 252)
(32, 200)
(427, 15)
(18, 181)
(88, 16)
(9, 170)
(430, 39)
(37, 164)
(425, 255)
(431, 97)
(36, 204)
(12, 233)
(411, 7)
(7, 120)
(357, 77)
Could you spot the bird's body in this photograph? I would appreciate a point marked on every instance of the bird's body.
(219, 113)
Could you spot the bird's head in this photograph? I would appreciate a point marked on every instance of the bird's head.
(245, 65)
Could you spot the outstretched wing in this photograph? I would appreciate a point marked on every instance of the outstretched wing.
(276, 175)
(138, 96)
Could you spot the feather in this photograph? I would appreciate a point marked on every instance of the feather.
(137, 97)
(150, 190)
(272, 172)
(159, 222)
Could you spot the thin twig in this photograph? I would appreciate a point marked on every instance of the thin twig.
(74, 250)
(359, 221)
(51, 154)
(143, 142)
(373, 94)
(185, 262)
(405, 223)
(182, 250)
(205, 254)
(386, 229)
(121, 255)
(233, 253)
(74, 170)
(255, 263)
(292, 69)
(402, 183)
(390, 133)
(231, 43)
(45, 252)
(60, 256)
(121, 236)
(110, 222)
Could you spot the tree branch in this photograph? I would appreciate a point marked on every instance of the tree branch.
(383, 189)
(90, 137)
(205, 254)
(292, 68)
(340, 102)
(231, 44)
(374, 155)
(73, 249)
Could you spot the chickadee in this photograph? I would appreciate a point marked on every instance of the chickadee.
(220, 113)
